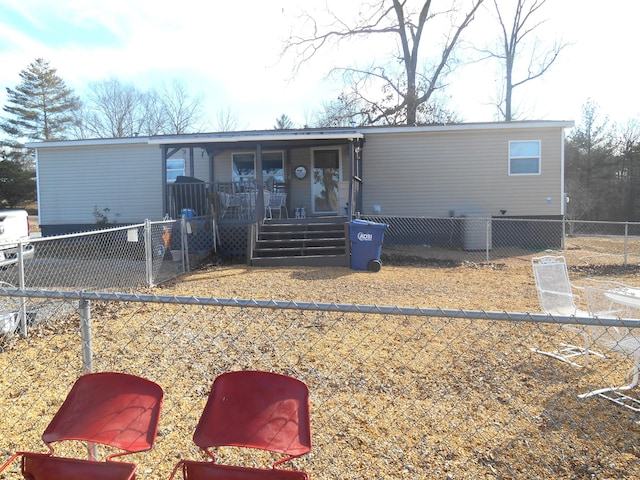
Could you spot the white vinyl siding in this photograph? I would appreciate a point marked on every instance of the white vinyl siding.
(126, 179)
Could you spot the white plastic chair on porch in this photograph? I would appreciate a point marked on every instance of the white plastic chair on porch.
(619, 340)
(230, 204)
(249, 203)
(557, 297)
(278, 202)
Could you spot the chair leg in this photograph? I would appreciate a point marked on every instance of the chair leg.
(567, 352)
(634, 373)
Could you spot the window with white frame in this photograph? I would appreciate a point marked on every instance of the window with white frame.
(524, 157)
(244, 167)
(175, 168)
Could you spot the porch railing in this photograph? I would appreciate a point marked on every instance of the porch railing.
(202, 199)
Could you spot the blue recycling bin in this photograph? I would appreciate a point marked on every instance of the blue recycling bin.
(188, 213)
(366, 244)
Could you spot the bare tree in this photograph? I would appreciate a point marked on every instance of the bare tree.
(350, 110)
(181, 113)
(226, 120)
(403, 90)
(114, 110)
(157, 119)
(345, 111)
(516, 28)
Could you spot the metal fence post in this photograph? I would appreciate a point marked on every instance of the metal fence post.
(87, 356)
(626, 242)
(85, 333)
(488, 239)
(21, 282)
(185, 244)
(148, 253)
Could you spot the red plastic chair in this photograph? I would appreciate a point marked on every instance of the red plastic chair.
(252, 409)
(113, 409)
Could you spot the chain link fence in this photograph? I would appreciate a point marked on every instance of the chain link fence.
(119, 258)
(395, 392)
(477, 238)
(154, 252)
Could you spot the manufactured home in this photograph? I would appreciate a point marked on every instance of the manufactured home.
(253, 179)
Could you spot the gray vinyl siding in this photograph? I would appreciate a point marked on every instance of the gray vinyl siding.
(408, 172)
(299, 190)
(222, 170)
(127, 179)
(435, 173)
(200, 164)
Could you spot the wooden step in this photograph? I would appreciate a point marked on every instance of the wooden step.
(312, 242)
(298, 252)
(331, 220)
(291, 234)
(306, 261)
(299, 242)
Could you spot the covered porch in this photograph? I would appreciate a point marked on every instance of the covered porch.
(319, 171)
(242, 181)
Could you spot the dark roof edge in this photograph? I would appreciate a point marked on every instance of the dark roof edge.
(302, 134)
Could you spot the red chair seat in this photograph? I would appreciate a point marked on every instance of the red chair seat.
(216, 471)
(115, 409)
(252, 409)
(41, 466)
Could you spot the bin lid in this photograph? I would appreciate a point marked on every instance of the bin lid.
(365, 223)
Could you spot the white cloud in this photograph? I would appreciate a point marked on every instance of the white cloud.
(230, 52)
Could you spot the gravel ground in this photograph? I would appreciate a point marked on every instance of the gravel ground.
(487, 390)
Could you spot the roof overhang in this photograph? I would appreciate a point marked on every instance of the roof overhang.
(298, 137)
(457, 127)
(90, 143)
(255, 137)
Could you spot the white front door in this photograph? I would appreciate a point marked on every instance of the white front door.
(325, 176)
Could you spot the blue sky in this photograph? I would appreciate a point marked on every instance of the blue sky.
(229, 51)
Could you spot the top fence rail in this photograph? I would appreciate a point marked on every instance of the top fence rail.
(151, 253)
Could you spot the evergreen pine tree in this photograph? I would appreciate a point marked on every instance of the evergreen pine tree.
(41, 107)
(17, 185)
(283, 123)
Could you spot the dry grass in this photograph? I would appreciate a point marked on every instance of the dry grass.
(486, 406)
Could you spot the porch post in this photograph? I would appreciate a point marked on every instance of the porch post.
(351, 160)
(165, 203)
(210, 154)
(260, 206)
(358, 176)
